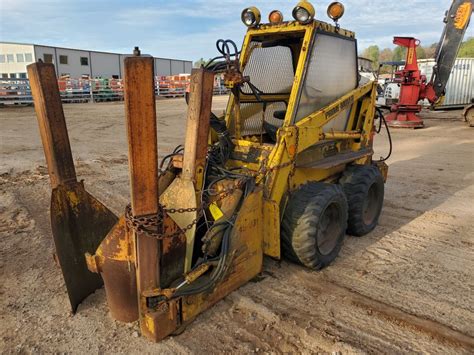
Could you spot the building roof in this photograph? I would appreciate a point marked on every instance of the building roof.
(84, 50)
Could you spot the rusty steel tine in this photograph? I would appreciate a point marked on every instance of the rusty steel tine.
(52, 124)
(140, 111)
(197, 125)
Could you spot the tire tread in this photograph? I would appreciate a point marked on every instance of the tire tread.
(356, 181)
(300, 222)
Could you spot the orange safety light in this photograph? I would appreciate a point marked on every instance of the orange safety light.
(335, 11)
(275, 17)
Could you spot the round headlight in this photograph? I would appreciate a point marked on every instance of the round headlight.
(251, 17)
(275, 17)
(304, 12)
(335, 11)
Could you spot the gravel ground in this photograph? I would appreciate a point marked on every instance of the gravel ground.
(405, 287)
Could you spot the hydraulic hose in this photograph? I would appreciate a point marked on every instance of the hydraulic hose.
(382, 118)
(224, 48)
(217, 274)
(223, 260)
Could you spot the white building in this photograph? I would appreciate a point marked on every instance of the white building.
(14, 57)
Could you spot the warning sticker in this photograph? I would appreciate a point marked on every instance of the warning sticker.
(215, 211)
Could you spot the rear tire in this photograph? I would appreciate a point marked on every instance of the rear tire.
(314, 225)
(364, 189)
(469, 115)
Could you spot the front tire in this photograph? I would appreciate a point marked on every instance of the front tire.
(364, 189)
(314, 225)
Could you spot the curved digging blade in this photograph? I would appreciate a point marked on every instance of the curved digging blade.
(79, 223)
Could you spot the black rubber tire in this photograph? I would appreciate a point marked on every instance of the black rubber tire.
(314, 212)
(364, 189)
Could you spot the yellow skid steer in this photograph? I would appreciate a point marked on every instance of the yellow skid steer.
(286, 171)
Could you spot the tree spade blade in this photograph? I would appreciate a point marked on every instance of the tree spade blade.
(79, 223)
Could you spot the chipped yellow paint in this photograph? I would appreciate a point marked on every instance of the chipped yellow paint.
(148, 323)
(271, 229)
(247, 256)
(73, 198)
(115, 246)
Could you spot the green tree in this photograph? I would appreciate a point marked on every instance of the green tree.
(372, 53)
(399, 54)
(420, 52)
(431, 50)
(385, 56)
(467, 49)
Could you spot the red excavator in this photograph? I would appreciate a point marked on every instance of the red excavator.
(413, 85)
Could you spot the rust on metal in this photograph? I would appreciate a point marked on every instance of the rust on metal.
(139, 96)
(158, 262)
(140, 111)
(52, 124)
(177, 161)
(114, 261)
(383, 167)
(163, 321)
(173, 251)
(79, 222)
(197, 126)
(165, 180)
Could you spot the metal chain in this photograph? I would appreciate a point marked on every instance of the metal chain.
(180, 210)
(152, 225)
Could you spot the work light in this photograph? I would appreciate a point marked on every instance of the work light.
(335, 11)
(251, 17)
(304, 12)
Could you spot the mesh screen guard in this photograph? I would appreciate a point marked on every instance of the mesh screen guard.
(270, 70)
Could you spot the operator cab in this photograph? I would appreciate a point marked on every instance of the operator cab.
(293, 69)
(286, 73)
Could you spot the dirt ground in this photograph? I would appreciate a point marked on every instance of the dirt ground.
(406, 287)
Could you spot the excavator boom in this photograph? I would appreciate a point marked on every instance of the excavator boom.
(457, 20)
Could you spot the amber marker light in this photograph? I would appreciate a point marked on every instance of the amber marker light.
(335, 11)
(275, 17)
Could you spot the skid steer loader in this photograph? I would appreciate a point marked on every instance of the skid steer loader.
(287, 171)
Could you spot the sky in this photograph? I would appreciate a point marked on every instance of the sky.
(188, 29)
